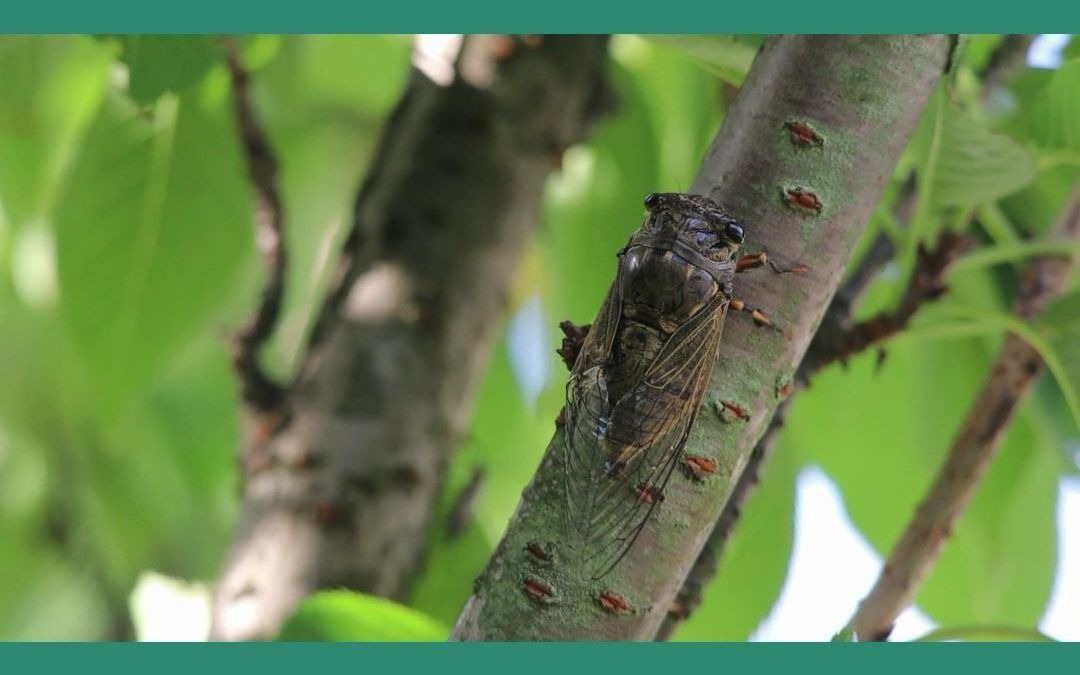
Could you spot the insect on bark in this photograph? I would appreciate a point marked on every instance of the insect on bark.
(639, 379)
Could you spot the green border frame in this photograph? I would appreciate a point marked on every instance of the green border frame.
(541, 659)
(551, 16)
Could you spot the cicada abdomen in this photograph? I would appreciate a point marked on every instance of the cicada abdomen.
(639, 378)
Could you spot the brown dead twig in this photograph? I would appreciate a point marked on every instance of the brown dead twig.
(258, 390)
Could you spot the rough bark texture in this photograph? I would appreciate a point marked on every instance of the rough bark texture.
(808, 204)
(340, 491)
(1010, 378)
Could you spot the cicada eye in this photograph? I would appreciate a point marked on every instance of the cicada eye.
(734, 232)
(652, 200)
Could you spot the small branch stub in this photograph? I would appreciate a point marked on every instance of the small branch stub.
(538, 590)
(541, 552)
(698, 467)
(803, 134)
(801, 200)
(613, 603)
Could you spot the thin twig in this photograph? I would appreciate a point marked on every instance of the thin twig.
(927, 283)
(258, 389)
(1008, 382)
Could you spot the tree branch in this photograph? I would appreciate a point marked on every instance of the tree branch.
(863, 96)
(833, 342)
(1008, 381)
(258, 390)
(347, 484)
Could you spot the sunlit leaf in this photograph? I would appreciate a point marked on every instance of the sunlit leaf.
(50, 89)
(1053, 118)
(976, 165)
(151, 229)
(342, 616)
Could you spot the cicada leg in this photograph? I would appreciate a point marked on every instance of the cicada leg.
(753, 261)
(759, 316)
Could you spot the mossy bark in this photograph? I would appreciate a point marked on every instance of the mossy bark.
(801, 161)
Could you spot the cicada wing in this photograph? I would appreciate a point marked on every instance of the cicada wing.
(634, 448)
(586, 408)
(597, 345)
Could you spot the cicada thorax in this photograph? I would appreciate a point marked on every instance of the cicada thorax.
(641, 373)
(660, 292)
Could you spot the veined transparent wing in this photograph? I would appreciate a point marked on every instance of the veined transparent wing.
(620, 454)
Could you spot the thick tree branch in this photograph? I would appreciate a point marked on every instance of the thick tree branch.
(258, 390)
(1008, 381)
(837, 339)
(862, 95)
(346, 486)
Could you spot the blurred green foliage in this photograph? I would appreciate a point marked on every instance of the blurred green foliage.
(126, 257)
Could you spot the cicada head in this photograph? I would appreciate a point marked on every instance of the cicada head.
(695, 221)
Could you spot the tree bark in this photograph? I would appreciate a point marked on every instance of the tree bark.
(341, 484)
(801, 160)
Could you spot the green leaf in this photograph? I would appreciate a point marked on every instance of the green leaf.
(166, 63)
(976, 165)
(343, 616)
(1052, 118)
(51, 88)
(726, 56)
(1034, 209)
(319, 74)
(151, 229)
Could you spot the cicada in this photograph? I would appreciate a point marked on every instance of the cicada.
(639, 378)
